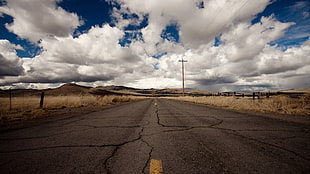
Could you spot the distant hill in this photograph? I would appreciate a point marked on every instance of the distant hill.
(102, 91)
(116, 88)
(68, 89)
(20, 92)
(74, 89)
(302, 90)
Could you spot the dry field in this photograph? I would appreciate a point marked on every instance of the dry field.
(276, 104)
(29, 107)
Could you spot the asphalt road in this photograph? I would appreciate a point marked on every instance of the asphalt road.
(186, 138)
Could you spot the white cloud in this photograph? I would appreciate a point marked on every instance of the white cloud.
(243, 61)
(274, 61)
(36, 19)
(98, 45)
(155, 82)
(197, 26)
(217, 17)
(92, 56)
(245, 41)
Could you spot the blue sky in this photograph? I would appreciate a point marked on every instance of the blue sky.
(237, 45)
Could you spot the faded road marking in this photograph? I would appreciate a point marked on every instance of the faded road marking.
(156, 166)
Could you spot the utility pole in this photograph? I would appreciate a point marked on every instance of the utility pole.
(182, 61)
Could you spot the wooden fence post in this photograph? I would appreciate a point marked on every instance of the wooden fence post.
(42, 100)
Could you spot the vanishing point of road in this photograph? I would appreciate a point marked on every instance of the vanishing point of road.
(176, 136)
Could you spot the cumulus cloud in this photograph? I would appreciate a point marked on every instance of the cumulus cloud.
(272, 68)
(243, 59)
(98, 45)
(11, 64)
(245, 41)
(217, 17)
(197, 25)
(36, 19)
(90, 57)
(273, 60)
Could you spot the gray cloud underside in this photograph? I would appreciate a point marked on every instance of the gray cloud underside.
(9, 68)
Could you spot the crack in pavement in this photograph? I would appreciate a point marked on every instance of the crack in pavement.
(105, 163)
(102, 127)
(275, 146)
(75, 146)
(163, 125)
(106, 166)
(63, 146)
(105, 160)
(150, 155)
(140, 138)
(178, 130)
(141, 133)
(38, 137)
(184, 128)
(234, 132)
(282, 138)
(264, 130)
(220, 121)
(4, 164)
(51, 135)
(175, 126)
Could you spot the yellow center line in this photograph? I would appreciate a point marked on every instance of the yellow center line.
(156, 166)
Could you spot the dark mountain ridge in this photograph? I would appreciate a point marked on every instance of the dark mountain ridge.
(75, 89)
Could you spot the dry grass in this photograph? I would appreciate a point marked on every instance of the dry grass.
(28, 107)
(277, 104)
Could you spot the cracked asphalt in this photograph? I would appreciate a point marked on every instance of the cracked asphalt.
(188, 138)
